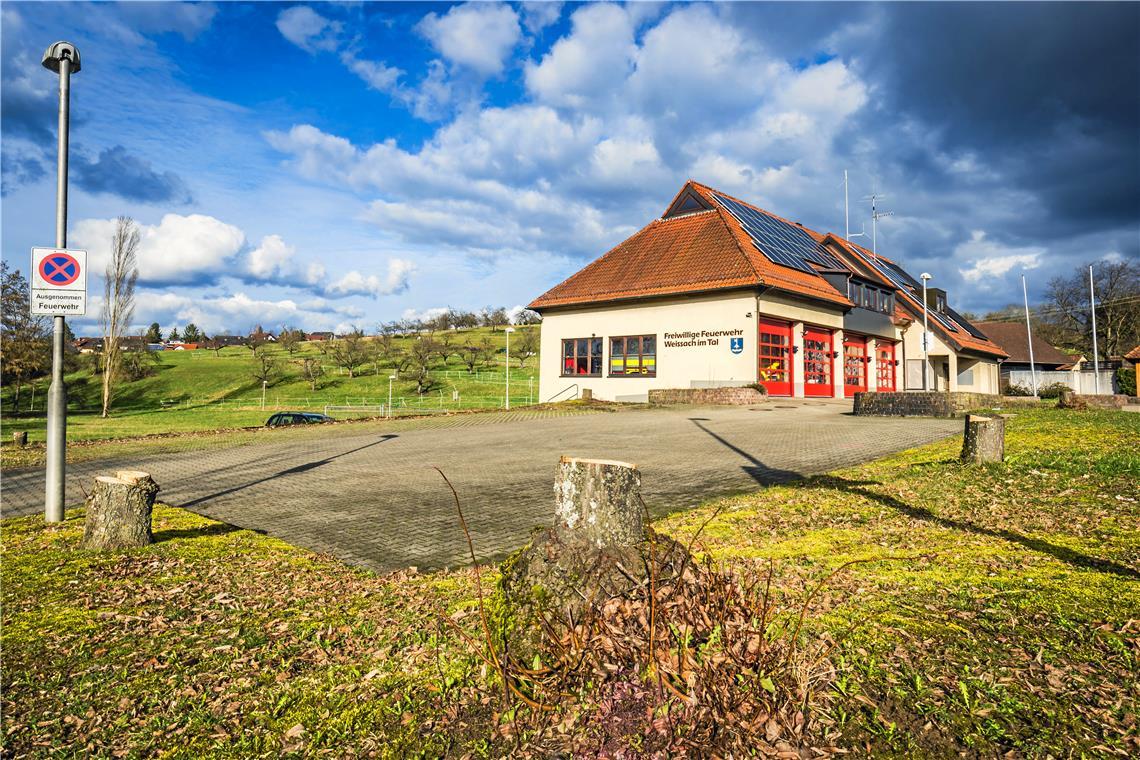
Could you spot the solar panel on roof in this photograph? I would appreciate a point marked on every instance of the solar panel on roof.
(783, 243)
(966, 325)
(905, 282)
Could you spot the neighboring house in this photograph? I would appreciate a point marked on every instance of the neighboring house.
(89, 345)
(222, 341)
(181, 346)
(319, 336)
(720, 292)
(1011, 336)
(1132, 358)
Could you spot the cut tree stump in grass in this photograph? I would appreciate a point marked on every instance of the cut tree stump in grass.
(596, 502)
(984, 439)
(599, 549)
(119, 511)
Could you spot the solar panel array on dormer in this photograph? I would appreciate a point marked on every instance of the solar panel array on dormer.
(782, 243)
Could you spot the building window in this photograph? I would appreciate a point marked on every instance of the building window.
(582, 357)
(633, 355)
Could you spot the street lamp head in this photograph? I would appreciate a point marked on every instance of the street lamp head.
(57, 52)
(508, 329)
(391, 377)
(926, 276)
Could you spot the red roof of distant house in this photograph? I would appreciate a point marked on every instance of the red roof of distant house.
(1012, 337)
(1134, 354)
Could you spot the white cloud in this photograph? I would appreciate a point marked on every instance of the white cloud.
(271, 258)
(308, 29)
(423, 315)
(354, 283)
(179, 249)
(315, 273)
(375, 74)
(478, 36)
(539, 15)
(990, 260)
(583, 66)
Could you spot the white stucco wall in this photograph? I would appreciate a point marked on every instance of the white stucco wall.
(689, 362)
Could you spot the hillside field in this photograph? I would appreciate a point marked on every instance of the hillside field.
(200, 390)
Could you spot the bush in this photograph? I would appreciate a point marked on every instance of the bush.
(1052, 390)
(758, 387)
(1014, 389)
(1126, 380)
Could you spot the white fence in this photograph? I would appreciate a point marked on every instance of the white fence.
(1084, 382)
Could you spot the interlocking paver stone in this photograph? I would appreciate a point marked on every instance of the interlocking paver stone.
(370, 495)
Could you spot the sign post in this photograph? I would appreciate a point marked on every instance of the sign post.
(62, 58)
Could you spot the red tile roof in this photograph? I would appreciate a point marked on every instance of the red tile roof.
(688, 253)
(1011, 337)
(709, 250)
(1134, 354)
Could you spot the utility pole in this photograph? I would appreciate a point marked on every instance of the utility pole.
(846, 212)
(62, 58)
(1092, 308)
(508, 331)
(875, 216)
(1029, 336)
(925, 335)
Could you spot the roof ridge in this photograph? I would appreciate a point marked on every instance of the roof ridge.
(725, 220)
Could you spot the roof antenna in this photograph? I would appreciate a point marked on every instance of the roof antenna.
(861, 233)
(846, 212)
(876, 215)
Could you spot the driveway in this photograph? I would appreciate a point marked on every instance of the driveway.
(369, 495)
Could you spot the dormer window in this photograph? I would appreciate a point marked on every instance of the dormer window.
(870, 297)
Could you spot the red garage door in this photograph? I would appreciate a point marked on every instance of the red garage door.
(885, 365)
(817, 362)
(775, 344)
(854, 365)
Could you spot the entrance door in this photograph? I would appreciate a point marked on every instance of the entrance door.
(817, 362)
(775, 345)
(885, 365)
(854, 365)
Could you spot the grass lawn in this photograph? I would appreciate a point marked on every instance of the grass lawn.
(199, 390)
(1001, 615)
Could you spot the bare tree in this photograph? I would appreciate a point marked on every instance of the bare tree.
(422, 352)
(118, 301)
(1066, 315)
(526, 345)
(349, 352)
(312, 370)
(470, 354)
(444, 347)
(290, 340)
(266, 366)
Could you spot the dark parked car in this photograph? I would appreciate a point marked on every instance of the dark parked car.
(296, 418)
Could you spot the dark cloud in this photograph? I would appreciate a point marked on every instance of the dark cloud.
(119, 173)
(19, 167)
(1045, 93)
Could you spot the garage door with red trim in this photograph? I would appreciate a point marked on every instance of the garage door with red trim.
(817, 362)
(854, 365)
(775, 348)
(885, 365)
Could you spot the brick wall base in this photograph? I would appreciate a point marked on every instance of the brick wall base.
(715, 396)
(924, 403)
(1080, 401)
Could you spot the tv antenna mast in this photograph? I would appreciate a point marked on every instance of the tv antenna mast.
(876, 215)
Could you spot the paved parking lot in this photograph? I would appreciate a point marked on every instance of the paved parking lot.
(369, 494)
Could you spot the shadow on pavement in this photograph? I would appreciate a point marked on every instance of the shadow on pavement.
(757, 470)
(290, 471)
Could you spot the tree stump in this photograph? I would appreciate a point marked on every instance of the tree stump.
(984, 439)
(600, 548)
(1070, 400)
(20, 438)
(119, 511)
(597, 502)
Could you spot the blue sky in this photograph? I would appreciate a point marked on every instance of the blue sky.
(324, 165)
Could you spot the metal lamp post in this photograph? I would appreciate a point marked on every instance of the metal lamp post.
(62, 58)
(391, 378)
(508, 331)
(925, 335)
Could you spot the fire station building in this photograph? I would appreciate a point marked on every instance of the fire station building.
(718, 292)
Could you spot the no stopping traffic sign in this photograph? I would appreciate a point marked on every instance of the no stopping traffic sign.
(59, 281)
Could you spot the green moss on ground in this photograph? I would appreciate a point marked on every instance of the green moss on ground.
(999, 617)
